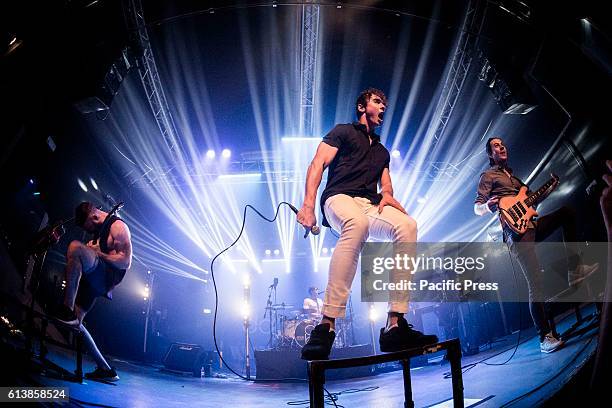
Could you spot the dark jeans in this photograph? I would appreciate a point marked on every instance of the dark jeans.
(565, 218)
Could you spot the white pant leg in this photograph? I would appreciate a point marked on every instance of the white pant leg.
(395, 226)
(346, 215)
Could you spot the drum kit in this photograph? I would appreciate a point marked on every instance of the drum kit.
(291, 328)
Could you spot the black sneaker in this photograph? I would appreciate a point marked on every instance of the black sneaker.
(102, 374)
(404, 337)
(320, 343)
(66, 315)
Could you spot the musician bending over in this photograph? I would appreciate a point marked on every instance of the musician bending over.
(93, 270)
(497, 182)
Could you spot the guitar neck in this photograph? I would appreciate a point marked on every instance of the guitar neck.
(541, 193)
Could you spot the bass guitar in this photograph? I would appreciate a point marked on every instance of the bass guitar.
(516, 212)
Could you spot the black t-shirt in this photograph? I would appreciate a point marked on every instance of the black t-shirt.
(357, 166)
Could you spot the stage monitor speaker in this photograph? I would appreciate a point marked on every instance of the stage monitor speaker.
(184, 357)
(191, 358)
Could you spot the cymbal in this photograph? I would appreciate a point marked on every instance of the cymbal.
(279, 306)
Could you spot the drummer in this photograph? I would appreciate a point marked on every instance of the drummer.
(312, 304)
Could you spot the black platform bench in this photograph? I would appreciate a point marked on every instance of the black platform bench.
(75, 345)
(316, 370)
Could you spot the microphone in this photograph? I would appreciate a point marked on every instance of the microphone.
(315, 229)
(273, 286)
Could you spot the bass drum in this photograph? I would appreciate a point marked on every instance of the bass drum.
(302, 332)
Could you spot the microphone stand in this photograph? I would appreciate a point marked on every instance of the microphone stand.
(268, 306)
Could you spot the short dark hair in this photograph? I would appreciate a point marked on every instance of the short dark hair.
(82, 211)
(490, 149)
(365, 96)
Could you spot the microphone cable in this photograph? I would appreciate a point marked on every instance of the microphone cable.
(212, 274)
(468, 367)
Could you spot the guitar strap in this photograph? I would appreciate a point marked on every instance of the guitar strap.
(107, 220)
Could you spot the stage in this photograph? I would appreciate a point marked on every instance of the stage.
(528, 379)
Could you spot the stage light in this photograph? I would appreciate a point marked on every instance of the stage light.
(32, 181)
(276, 252)
(13, 44)
(373, 313)
(51, 144)
(239, 176)
(36, 193)
(246, 281)
(268, 252)
(210, 154)
(395, 153)
(82, 185)
(207, 311)
(146, 292)
(286, 139)
(226, 153)
(325, 250)
(245, 310)
(93, 183)
(421, 200)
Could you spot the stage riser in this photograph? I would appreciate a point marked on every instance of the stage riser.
(277, 364)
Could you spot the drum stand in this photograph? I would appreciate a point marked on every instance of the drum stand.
(273, 318)
(344, 325)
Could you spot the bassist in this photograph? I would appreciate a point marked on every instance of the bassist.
(497, 182)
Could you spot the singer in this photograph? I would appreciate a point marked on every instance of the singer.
(93, 270)
(352, 205)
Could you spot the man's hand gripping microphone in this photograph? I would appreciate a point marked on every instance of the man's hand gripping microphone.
(315, 230)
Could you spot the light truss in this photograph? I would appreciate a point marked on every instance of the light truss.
(460, 65)
(310, 35)
(149, 76)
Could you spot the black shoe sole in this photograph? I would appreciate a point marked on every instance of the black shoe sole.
(314, 356)
(399, 347)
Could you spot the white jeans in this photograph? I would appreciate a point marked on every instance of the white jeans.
(356, 219)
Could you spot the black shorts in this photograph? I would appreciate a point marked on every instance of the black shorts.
(95, 283)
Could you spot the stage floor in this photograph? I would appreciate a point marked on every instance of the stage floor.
(528, 379)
